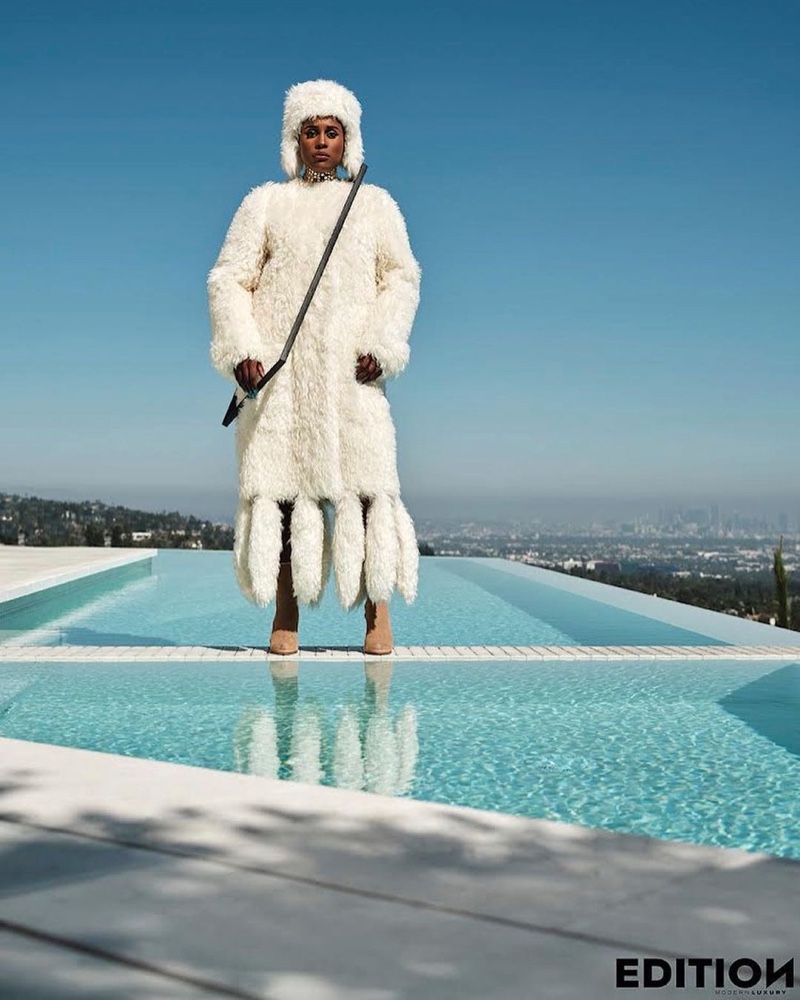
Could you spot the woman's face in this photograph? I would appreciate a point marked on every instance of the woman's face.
(322, 143)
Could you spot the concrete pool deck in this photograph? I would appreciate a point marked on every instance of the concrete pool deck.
(132, 878)
(126, 877)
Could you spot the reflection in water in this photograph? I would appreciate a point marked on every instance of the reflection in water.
(255, 743)
(365, 749)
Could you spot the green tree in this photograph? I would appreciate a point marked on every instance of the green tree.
(95, 535)
(781, 586)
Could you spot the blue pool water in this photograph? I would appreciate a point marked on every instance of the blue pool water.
(191, 599)
(693, 751)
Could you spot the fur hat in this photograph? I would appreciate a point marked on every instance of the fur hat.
(321, 99)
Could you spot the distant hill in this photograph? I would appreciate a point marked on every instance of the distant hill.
(26, 520)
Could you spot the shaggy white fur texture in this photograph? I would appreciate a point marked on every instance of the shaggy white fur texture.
(380, 561)
(307, 531)
(348, 549)
(323, 99)
(264, 548)
(407, 554)
(315, 434)
(327, 557)
(241, 548)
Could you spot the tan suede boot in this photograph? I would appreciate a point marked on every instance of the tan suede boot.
(287, 615)
(378, 639)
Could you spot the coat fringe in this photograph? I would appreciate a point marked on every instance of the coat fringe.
(307, 533)
(380, 560)
(264, 549)
(348, 549)
(369, 560)
(407, 553)
(241, 547)
(327, 558)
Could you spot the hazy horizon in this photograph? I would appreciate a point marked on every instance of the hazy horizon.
(220, 505)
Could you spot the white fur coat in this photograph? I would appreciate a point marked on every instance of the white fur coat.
(315, 435)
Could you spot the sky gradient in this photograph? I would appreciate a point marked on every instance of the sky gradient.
(603, 199)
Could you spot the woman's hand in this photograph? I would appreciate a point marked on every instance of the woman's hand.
(248, 374)
(367, 369)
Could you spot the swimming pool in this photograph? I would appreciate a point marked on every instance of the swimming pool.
(191, 599)
(690, 750)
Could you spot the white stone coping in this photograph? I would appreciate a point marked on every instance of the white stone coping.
(26, 570)
(22, 652)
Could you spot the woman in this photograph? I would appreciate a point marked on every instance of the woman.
(321, 430)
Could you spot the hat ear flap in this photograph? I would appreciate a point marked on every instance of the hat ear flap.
(353, 152)
(290, 156)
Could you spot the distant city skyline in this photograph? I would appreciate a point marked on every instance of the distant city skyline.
(604, 204)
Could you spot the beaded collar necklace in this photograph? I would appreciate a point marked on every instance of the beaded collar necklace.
(312, 176)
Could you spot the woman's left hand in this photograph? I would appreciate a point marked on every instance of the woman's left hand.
(367, 369)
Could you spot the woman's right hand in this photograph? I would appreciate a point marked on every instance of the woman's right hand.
(249, 373)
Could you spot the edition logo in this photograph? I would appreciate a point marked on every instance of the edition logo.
(688, 973)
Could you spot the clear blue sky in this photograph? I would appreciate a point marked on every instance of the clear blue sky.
(603, 198)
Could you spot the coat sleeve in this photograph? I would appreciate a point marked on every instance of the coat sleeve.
(397, 276)
(231, 282)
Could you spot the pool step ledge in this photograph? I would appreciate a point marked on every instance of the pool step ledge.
(17, 653)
